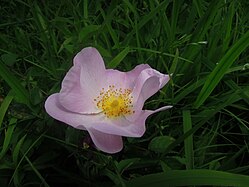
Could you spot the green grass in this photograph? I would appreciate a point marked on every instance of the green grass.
(202, 140)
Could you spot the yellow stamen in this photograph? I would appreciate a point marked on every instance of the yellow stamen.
(114, 102)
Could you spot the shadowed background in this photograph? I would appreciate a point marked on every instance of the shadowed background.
(202, 44)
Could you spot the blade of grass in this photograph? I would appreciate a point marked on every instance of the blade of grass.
(174, 62)
(145, 19)
(108, 23)
(162, 53)
(8, 136)
(4, 106)
(116, 61)
(225, 165)
(238, 119)
(229, 99)
(191, 177)
(87, 31)
(198, 35)
(228, 22)
(19, 163)
(44, 183)
(45, 34)
(188, 142)
(21, 94)
(224, 64)
(198, 6)
(187, 90)
(176, 7)
(235, 87)
(206, 21)
(85, 8)
(166, 25)
(17, 150)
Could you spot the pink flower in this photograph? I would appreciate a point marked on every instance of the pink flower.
(105, 102)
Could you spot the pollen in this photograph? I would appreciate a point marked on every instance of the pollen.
(114, 102)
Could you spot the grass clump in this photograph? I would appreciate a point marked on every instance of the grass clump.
(202, 44)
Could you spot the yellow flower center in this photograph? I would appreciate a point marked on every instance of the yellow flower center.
(114, 102)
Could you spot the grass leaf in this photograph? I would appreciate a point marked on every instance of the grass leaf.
(116, 61)
(45, 184)
(191, 177)
(4, 107)
(188, 142)
(17, 150)
(21, 94)
(224, 64)
(160, 144)
(8, 136)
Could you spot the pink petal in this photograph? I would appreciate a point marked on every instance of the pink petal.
(150, 112)
(100, 122)
(124, 79)
(93, 70)
(120, 126)
(106, 142)
(143, 116)
(163, 79)
(140, 86)
(123, 127)
(139, 124)
(76, 120)
(116, 78)
(113, 143)
(134, 73)
(147, 84)
(82, 82)
(105, 133)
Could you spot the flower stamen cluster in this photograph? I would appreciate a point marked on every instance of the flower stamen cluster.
(115, 102)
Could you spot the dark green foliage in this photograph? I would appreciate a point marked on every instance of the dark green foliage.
(202, 44)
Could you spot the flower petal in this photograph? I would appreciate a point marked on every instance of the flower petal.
(139, 124)
(150, 112)
(145, 80)
(106, 134)
(163, 78)
(124, 127)
(98, 122)
(124, 79)
(116, 78)
(82, 121)
(106, 142)
(82, 82)
(134, 73)
(93, 70)
(76, 120)
(120, 126)
(147, 84)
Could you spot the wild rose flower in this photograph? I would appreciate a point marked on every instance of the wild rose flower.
(105, 102)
